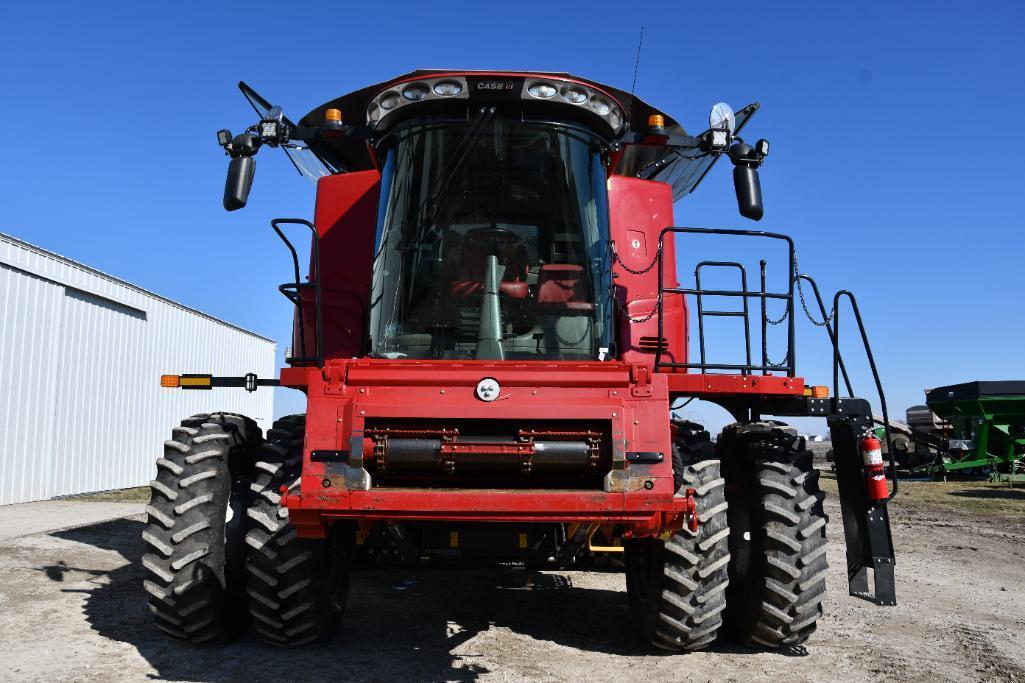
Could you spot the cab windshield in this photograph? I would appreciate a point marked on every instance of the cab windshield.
(491, 242)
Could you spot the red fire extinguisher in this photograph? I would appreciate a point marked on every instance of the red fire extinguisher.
(875, 474)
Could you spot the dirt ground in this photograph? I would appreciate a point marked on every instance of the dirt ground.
(72, 608)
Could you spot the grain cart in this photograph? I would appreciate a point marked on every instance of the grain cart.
(987, 428)
(490, 335)
(974, 428)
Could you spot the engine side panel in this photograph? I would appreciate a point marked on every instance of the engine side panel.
(346, 218)
(638, 211)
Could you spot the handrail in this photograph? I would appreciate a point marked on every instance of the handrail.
(788, 364)
(793, 280)
(843, 293)
(316, 358)
(745, 314)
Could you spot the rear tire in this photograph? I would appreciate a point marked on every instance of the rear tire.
(195, 525)
(297, 587)
(677, 587)
(778, 572)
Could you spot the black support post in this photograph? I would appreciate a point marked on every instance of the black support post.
(866, 523)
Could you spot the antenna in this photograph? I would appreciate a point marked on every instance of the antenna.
(637, 63)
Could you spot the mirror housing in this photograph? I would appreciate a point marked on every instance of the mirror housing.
(749, 192)
(746, 161)
(239, 181)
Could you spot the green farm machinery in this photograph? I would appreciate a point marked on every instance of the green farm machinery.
(975, 428)
(987, 428)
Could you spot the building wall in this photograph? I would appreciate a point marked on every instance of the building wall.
(81, 354)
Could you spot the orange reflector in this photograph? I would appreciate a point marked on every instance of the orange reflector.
(169, 381)
(817, 391)
(334, 115)
(656, 121)
(194, 381)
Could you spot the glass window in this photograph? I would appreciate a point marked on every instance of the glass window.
(491, 243)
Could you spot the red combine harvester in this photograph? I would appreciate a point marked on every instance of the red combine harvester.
(492, 339)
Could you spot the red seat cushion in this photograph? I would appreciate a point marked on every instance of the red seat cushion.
(561, 289)
(461, 289)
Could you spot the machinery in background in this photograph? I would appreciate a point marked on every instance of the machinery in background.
(987, 428)
(974, 428)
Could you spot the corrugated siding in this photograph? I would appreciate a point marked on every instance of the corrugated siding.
(80, 358)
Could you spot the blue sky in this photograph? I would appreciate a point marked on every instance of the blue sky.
(887, 162)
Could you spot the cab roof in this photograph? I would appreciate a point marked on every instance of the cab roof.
(681, 170)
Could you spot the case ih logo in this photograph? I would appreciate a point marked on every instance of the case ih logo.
(495, 85)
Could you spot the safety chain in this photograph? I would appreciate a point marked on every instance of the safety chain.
(642, 271)
(786, 314)
(804, 304)
(658, 302)
(644, 318)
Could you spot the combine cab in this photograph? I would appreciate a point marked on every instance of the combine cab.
(491, 335)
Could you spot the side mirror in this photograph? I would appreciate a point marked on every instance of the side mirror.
(746, 160)
(749, 192)
(238, 183)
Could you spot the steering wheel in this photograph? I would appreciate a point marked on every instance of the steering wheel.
(480, 236)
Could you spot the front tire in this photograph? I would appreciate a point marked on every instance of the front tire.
(777, 535)
(297, 587)
(677, 587)
(195, 524)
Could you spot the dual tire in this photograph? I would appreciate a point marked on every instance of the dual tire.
(756, 566)
(296, 587)
(219, 547)
(778, 535)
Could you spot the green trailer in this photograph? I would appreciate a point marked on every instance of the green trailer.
(987, 428)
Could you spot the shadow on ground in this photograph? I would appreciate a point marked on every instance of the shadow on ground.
(992, 493)
(405, 623)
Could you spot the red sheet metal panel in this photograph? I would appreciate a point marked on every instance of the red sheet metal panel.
(638, 211)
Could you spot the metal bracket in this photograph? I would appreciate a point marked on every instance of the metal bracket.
(866, 523)
(329, 456)
(644, 457)
(334, 378)
(641, 375)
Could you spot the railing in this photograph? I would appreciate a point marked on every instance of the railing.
(293, 292)
(830, 321)
(744, 294)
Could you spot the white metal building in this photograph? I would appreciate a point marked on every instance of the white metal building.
(81, 354)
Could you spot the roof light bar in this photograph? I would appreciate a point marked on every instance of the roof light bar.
(578, 95)
(457, 87)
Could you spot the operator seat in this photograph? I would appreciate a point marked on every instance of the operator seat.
(561, 289)
(469, 278)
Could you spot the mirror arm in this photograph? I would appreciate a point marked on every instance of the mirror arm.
(308, 133)
(676, 141)
(304, 133)
(242, 145)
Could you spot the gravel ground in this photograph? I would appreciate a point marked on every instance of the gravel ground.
(72, 609)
